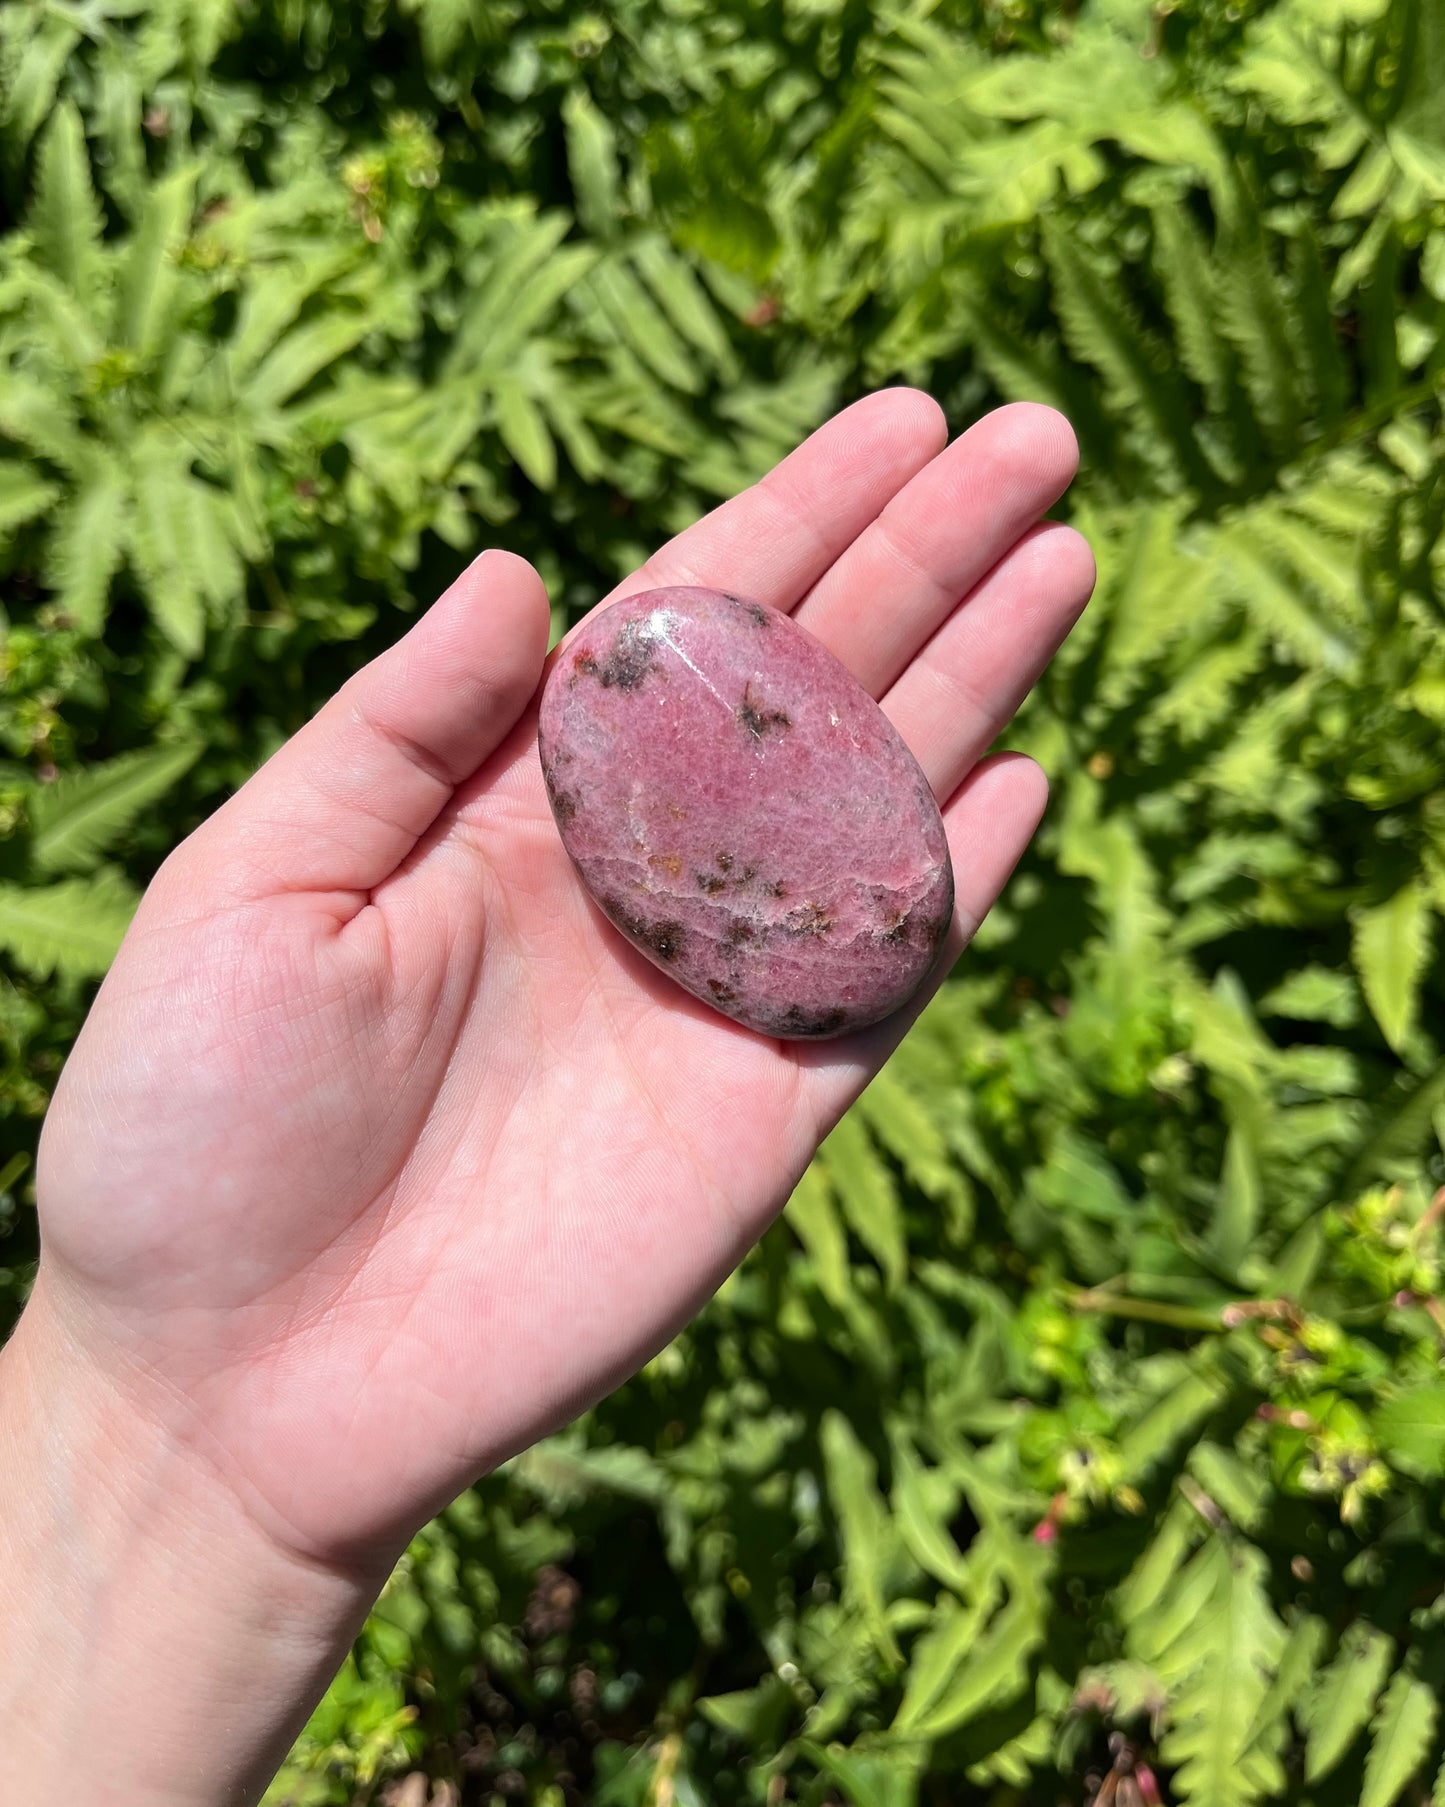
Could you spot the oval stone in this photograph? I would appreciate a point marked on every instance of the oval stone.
(744, 812)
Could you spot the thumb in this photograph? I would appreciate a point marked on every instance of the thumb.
(346, 799)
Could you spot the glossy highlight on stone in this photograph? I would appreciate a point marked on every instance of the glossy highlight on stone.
(744, 813)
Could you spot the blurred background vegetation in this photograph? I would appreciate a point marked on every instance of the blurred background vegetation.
(1081, 1428)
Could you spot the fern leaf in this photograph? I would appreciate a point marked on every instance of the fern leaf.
(814, 1220)
(1325, 369)
(1143, 1587)
(66, 324)
(1317, 559)
(640, 324)
(162, 544)
(684, 300)
(216, 536)
(1280, 606)
(83, 813)
(1238, 1197)
(268, 308)
(1400, 1737)
(523, 428)
(1254, 315)
(72, 928)
(42, 419)
(24, 493)
(865, 1529)
(921, 1513)
(577, 437)
(904, 1126)
(1239, 1488)
(1102, 329)
(27, 96)
(517, 279)
(936, 1657)
(1185, 271)
(87, 546)
(1219, 1668)
(865, 1189)
(149, 275)
(1344, 1697)
(65, 217)
(994, 1671)
(1391, 947)
(303, 354)
(592, 163)
(1166, 1423)
(1293, 1675)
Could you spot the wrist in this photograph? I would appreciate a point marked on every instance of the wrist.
(159, 1646)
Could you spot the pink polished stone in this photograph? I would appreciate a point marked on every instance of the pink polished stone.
(744, 812)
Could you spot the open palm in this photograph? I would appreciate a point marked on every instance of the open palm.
(381, 1153)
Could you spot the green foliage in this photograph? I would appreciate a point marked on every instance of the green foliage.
(1091, 1386)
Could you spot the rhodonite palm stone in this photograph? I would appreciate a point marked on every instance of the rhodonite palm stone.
(744, 813)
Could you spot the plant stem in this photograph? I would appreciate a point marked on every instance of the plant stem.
(1148, 1311)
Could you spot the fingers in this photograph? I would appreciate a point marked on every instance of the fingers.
(990, 819)
(346, 799)
(937, 537)
(775, 540)
(962, 690)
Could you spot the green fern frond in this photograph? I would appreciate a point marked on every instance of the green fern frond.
(1102, 329)
(1186, 272)
(813, 1217)
(304, 352)
(1177, 1534)
(865, 1189)
(1344, 1696)
(148, 275)
(162, 542)
(1391, 948)
(524, 432)
(1293, 1675)
(72, 928)
(592, 164)
(868, 1534)
(903, 1123)
(65, 218)
(87, 546)
(218, 542)
(518, 276)
(1218, 1667)
(30, 73)
(684, 300)
(43, 419)
(24, 494)
(1400, 1736)
(639, 323)
(1253, 313)
(83, 813)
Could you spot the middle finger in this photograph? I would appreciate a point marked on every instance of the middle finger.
(888, 593)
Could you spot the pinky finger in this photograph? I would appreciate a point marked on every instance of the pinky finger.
(990, 818)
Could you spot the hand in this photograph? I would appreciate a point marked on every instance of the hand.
(381, 1154)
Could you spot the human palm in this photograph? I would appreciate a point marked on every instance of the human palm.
(381, 1153)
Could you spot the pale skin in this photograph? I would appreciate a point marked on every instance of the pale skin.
(381, 1155)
